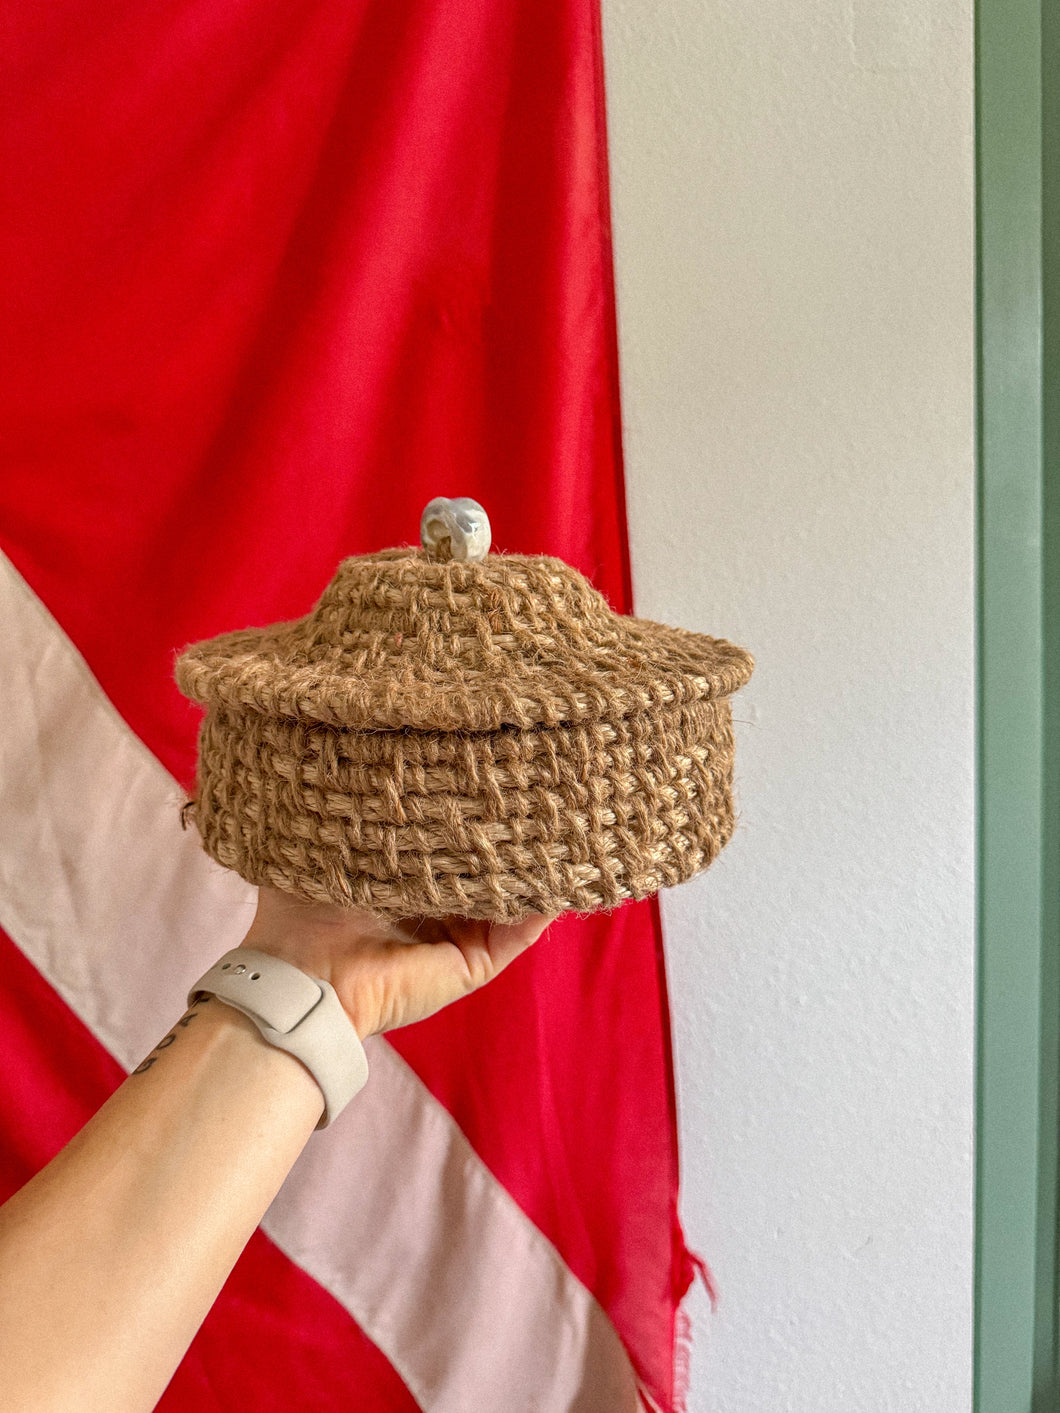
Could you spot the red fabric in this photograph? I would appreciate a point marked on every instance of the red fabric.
(272, 277)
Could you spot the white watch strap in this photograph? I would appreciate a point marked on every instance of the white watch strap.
(295, 1012)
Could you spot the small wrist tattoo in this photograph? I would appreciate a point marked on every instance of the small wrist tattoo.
(168, 1040)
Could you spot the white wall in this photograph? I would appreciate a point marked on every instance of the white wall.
(793, 214)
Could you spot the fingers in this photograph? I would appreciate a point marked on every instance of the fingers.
(446, 960)
(508, 939)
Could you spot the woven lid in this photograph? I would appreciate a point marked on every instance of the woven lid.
(403, 639)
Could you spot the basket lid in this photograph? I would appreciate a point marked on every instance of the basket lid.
(406, 639)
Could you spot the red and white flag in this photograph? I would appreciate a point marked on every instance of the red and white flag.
(273, 276)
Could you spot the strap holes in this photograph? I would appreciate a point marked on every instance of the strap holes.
(254, 975)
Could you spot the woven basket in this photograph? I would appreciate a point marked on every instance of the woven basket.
(483, 739)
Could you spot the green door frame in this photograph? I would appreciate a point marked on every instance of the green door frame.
(1018, 621)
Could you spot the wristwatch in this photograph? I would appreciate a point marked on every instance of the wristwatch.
(295, 1012)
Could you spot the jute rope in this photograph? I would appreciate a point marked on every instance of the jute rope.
(484, 739)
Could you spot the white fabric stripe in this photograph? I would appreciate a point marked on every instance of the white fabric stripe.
(389, 1208)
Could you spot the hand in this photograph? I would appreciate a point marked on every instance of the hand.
(387, 973)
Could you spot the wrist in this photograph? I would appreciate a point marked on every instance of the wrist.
(212, 1036)
(316, 957)
(294, 1011)
(301, 952)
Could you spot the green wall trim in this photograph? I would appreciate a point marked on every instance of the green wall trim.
(1048, 1321)
(1018, 625)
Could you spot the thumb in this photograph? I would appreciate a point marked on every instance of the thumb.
(507, 940)
(420, 978)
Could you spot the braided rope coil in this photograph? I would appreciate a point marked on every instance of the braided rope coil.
(485, 739)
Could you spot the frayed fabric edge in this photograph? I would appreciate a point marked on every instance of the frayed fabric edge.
(683, 1331)
(682, 1343)
(682, 1360)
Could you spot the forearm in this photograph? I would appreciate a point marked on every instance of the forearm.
(111, 1257)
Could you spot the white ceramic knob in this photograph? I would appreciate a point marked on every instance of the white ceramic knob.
(455, 529)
